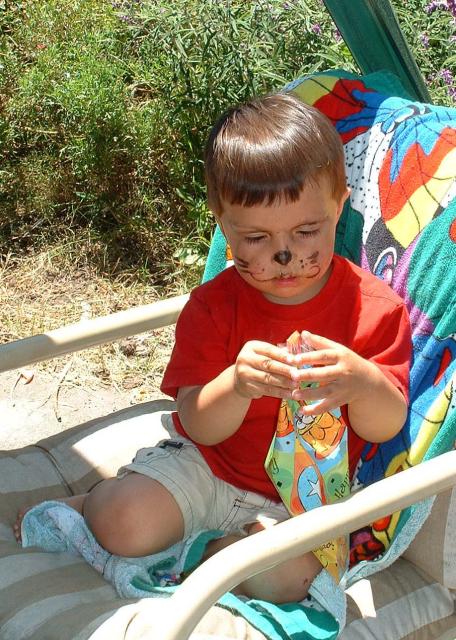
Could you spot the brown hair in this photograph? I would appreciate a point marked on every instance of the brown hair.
(268, 149)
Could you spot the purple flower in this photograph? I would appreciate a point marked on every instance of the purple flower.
(447, 76)
(434, 5)
(452, 7)
(126, 19)
(424, 40)
(448, 5)
(429, 8)
(337, 36)
(316, 28)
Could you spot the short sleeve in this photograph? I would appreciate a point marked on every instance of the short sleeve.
(200, 349)
(390, 347)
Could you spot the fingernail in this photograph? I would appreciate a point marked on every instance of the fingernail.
(294, 373)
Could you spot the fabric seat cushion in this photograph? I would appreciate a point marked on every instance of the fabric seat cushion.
(434, 548)
(97, 449)
(58, 596)
(27, 476)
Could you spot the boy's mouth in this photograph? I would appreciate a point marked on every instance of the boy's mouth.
(286, 280)
(282, 277)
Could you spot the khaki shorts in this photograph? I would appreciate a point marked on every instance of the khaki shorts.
(206, 501)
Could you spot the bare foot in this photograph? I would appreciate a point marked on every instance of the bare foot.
(76, 502)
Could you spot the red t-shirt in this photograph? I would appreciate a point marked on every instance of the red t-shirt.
(354, 308)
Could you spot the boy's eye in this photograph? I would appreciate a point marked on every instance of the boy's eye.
(254, 239)
(308, 234)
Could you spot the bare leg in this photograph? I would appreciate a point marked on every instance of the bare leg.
(131, 516)
(286, 582)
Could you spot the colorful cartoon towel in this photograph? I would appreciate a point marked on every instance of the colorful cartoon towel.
(400, 224)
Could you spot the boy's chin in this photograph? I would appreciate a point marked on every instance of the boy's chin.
(293, 292)
(295, 298)
(286, 289)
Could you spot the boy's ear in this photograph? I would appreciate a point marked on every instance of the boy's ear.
(218, 219)
(344, 197)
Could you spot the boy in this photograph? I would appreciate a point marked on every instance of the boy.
(276, 184)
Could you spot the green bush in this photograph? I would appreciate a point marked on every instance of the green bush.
(430, 29)
(105, 107)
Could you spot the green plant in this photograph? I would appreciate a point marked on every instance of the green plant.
(430, 29)
(105, 108)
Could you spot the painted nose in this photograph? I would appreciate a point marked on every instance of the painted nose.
(283, 257)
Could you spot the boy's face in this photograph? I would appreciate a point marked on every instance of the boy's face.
(285, 250)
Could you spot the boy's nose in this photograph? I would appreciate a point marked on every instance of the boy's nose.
(282, 257)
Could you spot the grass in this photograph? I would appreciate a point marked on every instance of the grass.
(48, 289)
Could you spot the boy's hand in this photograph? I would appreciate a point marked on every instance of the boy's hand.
(342, 375)
(263, 369)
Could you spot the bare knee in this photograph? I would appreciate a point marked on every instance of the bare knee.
(106, 512)
(220, 543)
(288, 581)
(133, 516)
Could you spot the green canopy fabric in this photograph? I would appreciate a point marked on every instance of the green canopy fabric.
(374, 37)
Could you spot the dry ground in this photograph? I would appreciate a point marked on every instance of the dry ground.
(45, 291)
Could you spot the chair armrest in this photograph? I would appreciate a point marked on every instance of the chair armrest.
(90, 333)
(179, 615)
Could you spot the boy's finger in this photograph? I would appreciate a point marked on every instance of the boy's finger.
(309, 394)
(319, 405)
(274, 391)
(318, 342)
(325, 357)
(279, 354)
(268, 362)
(277, 392)
(321, 375)
(318, 394)
(318, 408)
(269, 380)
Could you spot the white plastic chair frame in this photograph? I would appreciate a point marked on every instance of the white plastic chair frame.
(177, 616)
